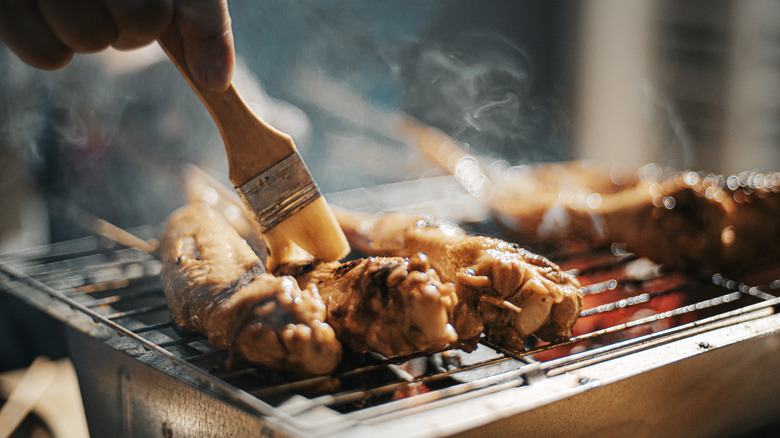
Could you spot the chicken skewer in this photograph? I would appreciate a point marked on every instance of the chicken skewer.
(425, 293)
(416, 308)
(216, 285)
(686, 220)
(515, 292)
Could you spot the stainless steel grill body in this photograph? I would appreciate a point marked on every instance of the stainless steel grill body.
(705, 362)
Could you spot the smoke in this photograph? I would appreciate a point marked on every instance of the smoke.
(23, 92)
(671, 142)
(110, 139)
(22, 213)
(479, 88)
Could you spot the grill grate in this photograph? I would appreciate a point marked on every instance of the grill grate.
(630, 304)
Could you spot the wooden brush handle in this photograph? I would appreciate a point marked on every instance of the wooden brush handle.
(241, 130)
(313, 228)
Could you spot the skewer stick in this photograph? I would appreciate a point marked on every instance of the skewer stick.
(106, 229)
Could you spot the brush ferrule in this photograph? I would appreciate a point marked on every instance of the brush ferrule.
(279, 192)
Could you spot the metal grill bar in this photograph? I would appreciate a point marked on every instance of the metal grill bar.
(644, 342)
(181, 341)
(137, 312)
(202, 356)
(742, 287)
(153, 327)
(449, 395)
(114, 299)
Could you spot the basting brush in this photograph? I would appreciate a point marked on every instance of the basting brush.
(266, 170)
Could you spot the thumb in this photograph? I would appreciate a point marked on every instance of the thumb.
(207, 35)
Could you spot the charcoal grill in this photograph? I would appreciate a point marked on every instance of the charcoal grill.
(654, 353)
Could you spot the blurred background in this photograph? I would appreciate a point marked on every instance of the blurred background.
(692, 85)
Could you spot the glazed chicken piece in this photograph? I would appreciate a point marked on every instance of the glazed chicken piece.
(513, 291)
(394, 306)
(216, 285)
(391, 305)
(685, 220)
(202, 188)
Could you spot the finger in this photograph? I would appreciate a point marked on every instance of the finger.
(205, 26)
(83, 25)
(27, 34)
(139, 22)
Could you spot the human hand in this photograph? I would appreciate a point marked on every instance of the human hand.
(47, 33)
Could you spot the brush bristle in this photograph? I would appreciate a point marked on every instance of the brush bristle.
(315, 229)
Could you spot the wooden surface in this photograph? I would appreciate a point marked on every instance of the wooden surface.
(59, 405)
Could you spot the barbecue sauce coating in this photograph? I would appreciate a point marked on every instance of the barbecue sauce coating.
(390, 305)
(216, 285)
(513, 292)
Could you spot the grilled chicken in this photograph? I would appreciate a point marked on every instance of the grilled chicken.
(216, 285)
(685, 220)
(391, 305)
(513, 291)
